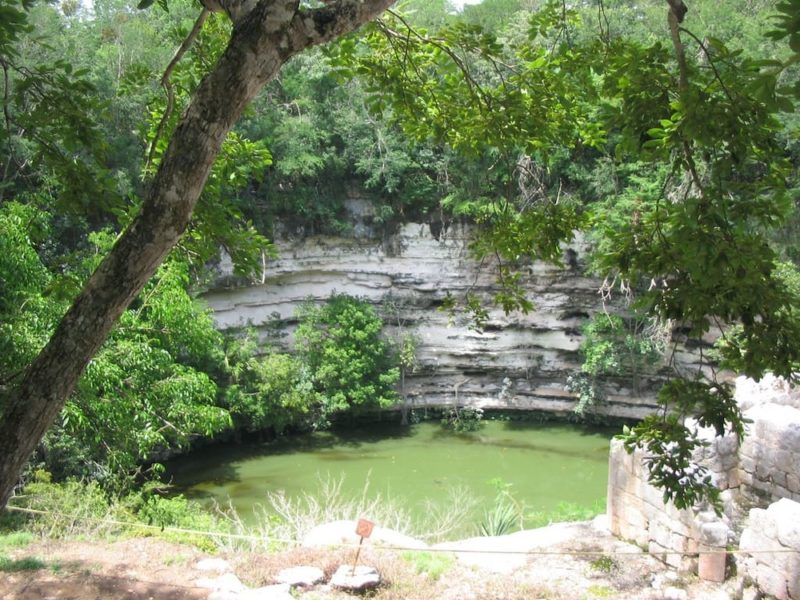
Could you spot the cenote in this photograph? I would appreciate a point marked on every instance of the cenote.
(542, 465)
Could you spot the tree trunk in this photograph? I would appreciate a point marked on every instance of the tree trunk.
(273, 32)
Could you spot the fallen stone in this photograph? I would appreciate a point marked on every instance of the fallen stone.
(714, 534)
(673, 593)
(269, 592)
(217, 565)
(224, 595)
(300, 576)
(751, 593)
(361, 579)
(224, 583)
(504, 554)
(786, 514)
(662, 580)
(344, 532)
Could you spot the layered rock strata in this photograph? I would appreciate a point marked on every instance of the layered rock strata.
(517, 361)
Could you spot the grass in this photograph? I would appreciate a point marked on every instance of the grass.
(565, 512)
(29, 563)
(16, 539)
(292, 518)
(600, 591)
(432, 564)
(604, 564)
(503, 518)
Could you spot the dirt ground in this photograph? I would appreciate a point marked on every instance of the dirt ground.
(150, 568)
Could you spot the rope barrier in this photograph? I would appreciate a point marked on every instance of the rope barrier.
(447, 549)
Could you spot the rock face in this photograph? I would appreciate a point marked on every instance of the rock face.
(517, 362)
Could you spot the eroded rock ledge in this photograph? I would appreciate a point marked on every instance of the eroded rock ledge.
(517, 362)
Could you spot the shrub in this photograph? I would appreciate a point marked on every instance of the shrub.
(462, 420)
(349, 363)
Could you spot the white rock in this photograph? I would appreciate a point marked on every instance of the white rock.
(355, 580)
(300, 576)
(787, 516)
(505, 553)
(224, 583)
(224, 595)
(673, 593)
(344, 532)
(269, 592)
(217, 565)
(601, 524)
(714, 534)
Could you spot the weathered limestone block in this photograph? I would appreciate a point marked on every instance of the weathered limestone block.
(770, 389)
(786, 514)
(773, 536)
(344, 532)
(771, 582)
(356, 579)
(218, 565)
(300, 576)
(227, 582)
(660, 534)
(715, 534)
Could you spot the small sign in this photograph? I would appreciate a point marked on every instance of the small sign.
(364, 528)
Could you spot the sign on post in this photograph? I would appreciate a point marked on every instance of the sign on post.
(363, 530)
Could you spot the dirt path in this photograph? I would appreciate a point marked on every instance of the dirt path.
(150, 568)
(135, 569)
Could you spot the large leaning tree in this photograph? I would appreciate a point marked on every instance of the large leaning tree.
(265, 35)
(699, 246)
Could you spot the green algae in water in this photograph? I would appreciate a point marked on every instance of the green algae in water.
(543, 465)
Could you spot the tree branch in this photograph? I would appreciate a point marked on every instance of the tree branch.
(323, 24)
(167, 85)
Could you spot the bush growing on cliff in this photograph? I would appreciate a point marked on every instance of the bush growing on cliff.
(462, 420)
(613, 347)
(266, 392)
(350, 364)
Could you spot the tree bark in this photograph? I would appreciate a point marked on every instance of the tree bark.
(262, 40)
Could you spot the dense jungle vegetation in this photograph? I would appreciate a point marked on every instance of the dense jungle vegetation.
(672, 145)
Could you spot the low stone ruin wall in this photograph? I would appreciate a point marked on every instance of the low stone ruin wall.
(760, 483)
(637, 512)
(772, 542)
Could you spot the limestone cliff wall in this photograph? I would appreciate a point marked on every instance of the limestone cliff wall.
(518, 361)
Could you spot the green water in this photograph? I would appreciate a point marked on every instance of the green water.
(544, 464)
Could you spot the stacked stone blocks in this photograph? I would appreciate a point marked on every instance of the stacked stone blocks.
(765, 470)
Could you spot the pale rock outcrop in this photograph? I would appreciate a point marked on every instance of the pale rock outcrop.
(343, 532)
(518, 361)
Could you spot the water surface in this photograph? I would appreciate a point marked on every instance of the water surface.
(544, 465)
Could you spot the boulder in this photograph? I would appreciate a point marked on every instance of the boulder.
(216, 565)
(269, 592)
(300, 576)
(344, 532)
(358, 579)
(224, 583)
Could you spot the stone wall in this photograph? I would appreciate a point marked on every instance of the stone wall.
(637, 512)
(772, 537)
(517, 362)
(760, 496)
